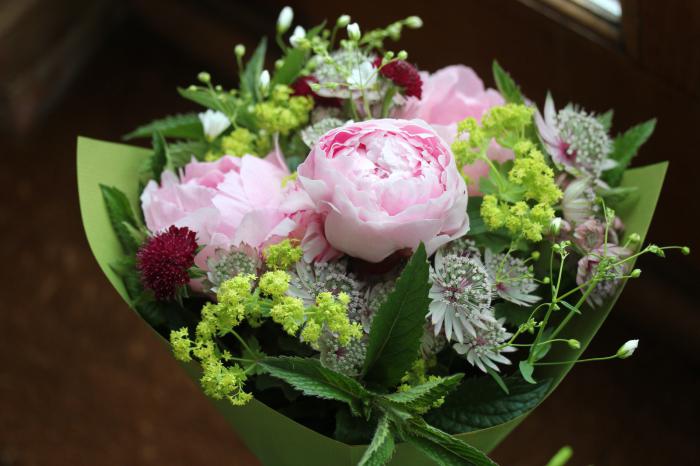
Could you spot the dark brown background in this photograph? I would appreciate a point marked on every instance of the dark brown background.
(83, 381)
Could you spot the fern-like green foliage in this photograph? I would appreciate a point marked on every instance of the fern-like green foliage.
(183, 126)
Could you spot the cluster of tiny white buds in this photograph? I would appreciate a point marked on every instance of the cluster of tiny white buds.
(284, 21)
(627, 349)
(354, 32)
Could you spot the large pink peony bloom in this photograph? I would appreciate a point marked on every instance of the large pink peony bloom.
(449, 96)
(379, 186)
(229, 202)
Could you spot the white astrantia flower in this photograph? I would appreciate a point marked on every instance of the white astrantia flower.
(213, 123)
(483, 350)
(461, 294)
(297, 36)
(347, 359)
(512, 278)
(627, 349)
(284, 20)
(362, 76)
(312, 133)
(225, 264)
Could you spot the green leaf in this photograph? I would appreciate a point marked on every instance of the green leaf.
(291, 67)
(498, 379)
(185, 126)
(479, 403)
(253, 352)
(526, 370)
(605, 119)
(445, 449)
(397, 327)
(617, 195)
(120, 215)
(625, 147)
(561, 457)
(220, 101)
(423, 397)
(379, 452)
(310, 377)
(353, 430)
(496, 241)
(476, 223)
(570, 307)
(181, 153)
(506, 86)
(250, 76)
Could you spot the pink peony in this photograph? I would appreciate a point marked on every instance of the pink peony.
(449, 96)
(226, 203)
(370, 189)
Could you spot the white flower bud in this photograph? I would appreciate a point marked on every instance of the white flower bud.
(239, 50)
(213, 123)
(264, 80)
(555, 226)
(204, 77)
(354, 31)
(627, 349)
(402, 55)
(298, 35)
(414, 22)
(284, 21)
(343, 21)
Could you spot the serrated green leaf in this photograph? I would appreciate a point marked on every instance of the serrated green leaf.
(250, 77)
(526, 370)
(445, 449)
(381, 449)
(120, 214)
(186, 126)
(220, 101)
(181, 152)
(605, 119)
(353, 430)
(397, 327)
(423, 397)
(625, 147)
(479, 403)
(310, 377)
(506, 85)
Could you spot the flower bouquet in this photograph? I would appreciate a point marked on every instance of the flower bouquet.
(367, 262)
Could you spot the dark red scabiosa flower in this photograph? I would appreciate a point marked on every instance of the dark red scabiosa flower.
(164, 260)
(302, 87)
(403, 74)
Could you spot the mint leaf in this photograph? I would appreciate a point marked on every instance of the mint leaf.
(250, 76)
(310, 377)
(186, 126)
(181, 153)
(506, 86)
(423, 397)
(625, 147)
(443, 448)
(479, 403)
(397, 327)
(380, 450)
(121, 216)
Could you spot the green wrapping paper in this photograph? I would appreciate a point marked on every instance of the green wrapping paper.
(117, 165)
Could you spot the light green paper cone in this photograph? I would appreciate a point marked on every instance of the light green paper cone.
(275, 439)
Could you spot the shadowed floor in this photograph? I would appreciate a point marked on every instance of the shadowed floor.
(83, 381)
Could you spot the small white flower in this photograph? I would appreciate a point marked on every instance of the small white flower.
(354, 31)
(297, 36)
(627, 349)
(461, 294)
(264, 80)
(363, 76)
(483, 350)
(213, 123)
(284, 20)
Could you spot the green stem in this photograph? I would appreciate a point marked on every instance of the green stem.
(555, 363)
(386, 103)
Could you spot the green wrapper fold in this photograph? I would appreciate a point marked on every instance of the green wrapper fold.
(275, 439)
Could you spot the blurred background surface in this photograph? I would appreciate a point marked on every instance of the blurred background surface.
(83, 381)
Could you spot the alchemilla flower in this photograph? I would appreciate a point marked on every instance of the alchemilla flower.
(461, 296)
(485, 349)
(164, 261)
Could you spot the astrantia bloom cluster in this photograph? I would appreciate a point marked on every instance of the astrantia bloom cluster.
(164, 261)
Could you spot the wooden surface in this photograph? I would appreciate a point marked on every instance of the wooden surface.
(83, 381)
